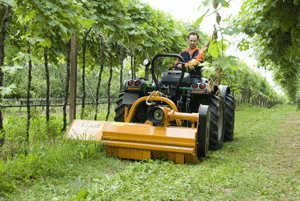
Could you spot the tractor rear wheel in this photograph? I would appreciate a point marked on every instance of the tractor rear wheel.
(216, 137)
(229, 117)
(120, 109)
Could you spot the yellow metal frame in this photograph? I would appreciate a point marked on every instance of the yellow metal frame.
(143, 141)
(154, 96)
(170, 115)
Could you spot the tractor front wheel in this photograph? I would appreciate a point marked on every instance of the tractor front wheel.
(203, 131)
(216, 137)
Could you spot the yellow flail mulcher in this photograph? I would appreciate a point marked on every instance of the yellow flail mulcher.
(148, 123)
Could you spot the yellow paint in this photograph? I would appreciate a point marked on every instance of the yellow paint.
(117, 124)
(141, 141)
(155, 96)
(198, 91)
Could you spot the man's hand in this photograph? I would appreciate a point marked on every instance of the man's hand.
(179, 66)
(192, 62)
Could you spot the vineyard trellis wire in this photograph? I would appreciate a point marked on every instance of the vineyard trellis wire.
(106, 50)
(247, 97)
(93, 95)
(244, 96)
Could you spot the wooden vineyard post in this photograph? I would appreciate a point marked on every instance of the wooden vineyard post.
(299, 102)
(73, 79)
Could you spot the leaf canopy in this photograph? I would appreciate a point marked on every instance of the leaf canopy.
(274, 26)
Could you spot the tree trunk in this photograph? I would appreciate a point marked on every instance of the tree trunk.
(68, 60)
(28, 90)
(157, 67)
(48, 85)
(121, 67)
(100, 74)
(134, 64)
(2, 54)
(131, 65)
(147, 69)
(109, 81)
(83, 70)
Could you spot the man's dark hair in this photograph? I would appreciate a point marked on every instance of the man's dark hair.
(193, 33)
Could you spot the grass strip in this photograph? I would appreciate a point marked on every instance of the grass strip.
(262, 163)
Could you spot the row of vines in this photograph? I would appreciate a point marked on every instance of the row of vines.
(272, 29)
(113, 39)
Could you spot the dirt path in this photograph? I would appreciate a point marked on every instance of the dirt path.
(287, 145)
(284, 162)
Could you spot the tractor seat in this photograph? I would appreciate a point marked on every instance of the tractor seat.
(172, 77)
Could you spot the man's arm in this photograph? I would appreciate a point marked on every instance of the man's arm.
(176, 64)
(198, 59)
(200, 56)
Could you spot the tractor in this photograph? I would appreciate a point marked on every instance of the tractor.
(169, 119)
(175, 85)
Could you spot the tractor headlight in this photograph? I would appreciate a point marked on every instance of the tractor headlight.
(146, 62)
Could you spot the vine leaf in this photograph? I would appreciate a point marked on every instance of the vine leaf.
(11, 70)
(225, 4)
(7, 90)
(46, 43)
(9, 2)
(87, 23)
(199, 20)
(230, 30)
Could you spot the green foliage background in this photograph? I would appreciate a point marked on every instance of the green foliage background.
(273, 27)
(142, 29)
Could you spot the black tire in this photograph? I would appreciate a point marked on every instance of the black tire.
(229, 117)
(203, 131)
(120, 109)
(140, 115)
(216, 136)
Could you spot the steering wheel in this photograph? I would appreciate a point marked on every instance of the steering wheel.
(142, 78)
(153, 71)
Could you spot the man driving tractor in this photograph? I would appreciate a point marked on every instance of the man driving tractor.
(192, 56)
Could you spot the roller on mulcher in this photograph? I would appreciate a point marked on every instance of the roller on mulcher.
(169, 119)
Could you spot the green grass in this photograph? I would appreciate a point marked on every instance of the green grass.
(262, 163)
